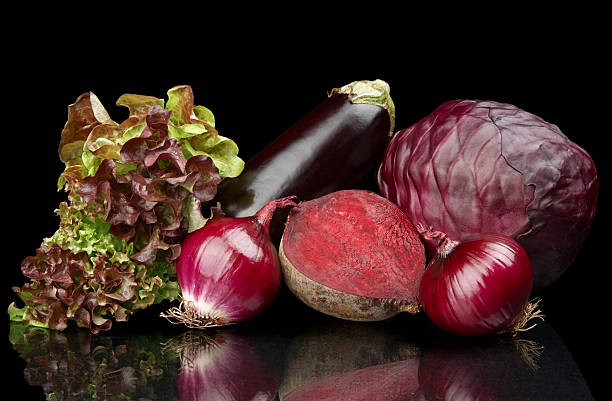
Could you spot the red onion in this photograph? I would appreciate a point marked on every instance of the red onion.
(478, 286)
(228, 270)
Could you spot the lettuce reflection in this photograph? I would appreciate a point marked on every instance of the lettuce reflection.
(194, 365)
(77, 365)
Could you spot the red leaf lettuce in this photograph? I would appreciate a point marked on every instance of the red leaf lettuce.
(135, 191)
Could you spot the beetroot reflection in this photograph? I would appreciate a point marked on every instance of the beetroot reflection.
(396, 381)
(335, 359)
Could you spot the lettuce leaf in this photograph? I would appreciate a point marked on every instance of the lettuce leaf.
(135, 191)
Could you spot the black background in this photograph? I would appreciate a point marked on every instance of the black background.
(258, 84)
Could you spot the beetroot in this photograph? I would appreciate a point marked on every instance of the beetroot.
(480, 166)
(354, 255)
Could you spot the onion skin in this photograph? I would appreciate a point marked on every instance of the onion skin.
(251, 280)
(229, 269)
(478, 286)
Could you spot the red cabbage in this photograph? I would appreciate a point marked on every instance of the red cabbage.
(480, 166)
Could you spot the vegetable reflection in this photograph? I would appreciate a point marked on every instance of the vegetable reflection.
(194, 365)
(533, 366)
(342, 360)
(223, 366)
(325, 359)
(77, 365)
(335, 359)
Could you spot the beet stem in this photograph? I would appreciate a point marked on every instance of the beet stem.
(265, 214)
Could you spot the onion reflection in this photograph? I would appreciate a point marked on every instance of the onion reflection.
(535, 365)
(224, 366)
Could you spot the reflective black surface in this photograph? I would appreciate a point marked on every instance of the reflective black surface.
(258, 90)
(300, 356)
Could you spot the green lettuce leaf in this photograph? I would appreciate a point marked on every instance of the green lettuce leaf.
(135, 190)
(90, 136)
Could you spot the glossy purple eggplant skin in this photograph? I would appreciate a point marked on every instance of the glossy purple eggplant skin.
(335, 146)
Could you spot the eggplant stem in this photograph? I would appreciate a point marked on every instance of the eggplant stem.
(190, 318)
(376, 93)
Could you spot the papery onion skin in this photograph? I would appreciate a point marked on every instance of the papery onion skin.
(479, 287)
(473, 166)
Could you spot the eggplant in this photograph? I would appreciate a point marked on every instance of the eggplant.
(335, 146)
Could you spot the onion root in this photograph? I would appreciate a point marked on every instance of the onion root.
(529, 312)
(187, 345)
(190, 318)
(530, 352)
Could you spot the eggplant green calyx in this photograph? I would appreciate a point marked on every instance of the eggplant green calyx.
(377, 93)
